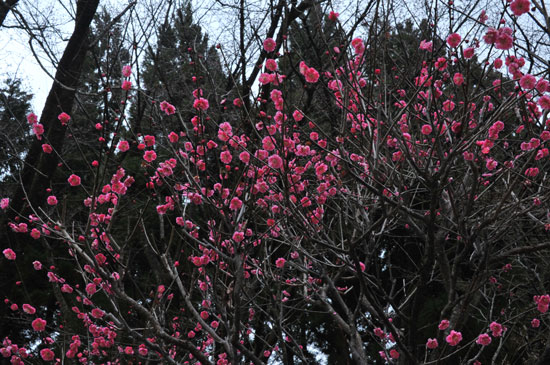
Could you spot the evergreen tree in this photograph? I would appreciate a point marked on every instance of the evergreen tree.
(15, 132)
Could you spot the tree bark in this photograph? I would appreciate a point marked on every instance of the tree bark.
(5, 7)
(40, 167)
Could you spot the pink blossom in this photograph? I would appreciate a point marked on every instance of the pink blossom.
(468, 53)
(454, 338)
(275, 161)
(37, 265)
(238, 236)
(458, 79)
(150, 156)
(4, 203)
(91, 289)
(52, 200)
(496, 328)
(520, 7)
(201, 104)
(244, 157)
(358, 45)
(225, 132)
(280, 262)
(226, 157)
(542, 85)
(47, 355)
(426, 129)
(64, 118)
(426, 46)
(126, 85)
(527, 82)
(297, 115)
(39, 324)
(127, 70)
(32, 118)
(432, 343)
(29, 309)
(35, 233)
(269, 45)
(532, 172)
(453, 40)
(484, 339)
(332, 16)
(173, 137)
(271, 65)
(443, 325)
(123, 146)
(497, 63)
(38, 130)
(74, 180)
(311, 75)
(47, 148)
(544, 102)
(167, 108)
(535, 323)
(235, 204)
(97, 313)
(9, 254)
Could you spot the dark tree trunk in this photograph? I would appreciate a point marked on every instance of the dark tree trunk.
(5, 7)
(39, 167)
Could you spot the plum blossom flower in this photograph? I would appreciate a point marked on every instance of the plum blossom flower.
(126, 85)
(29, 309)
(127, 70)
(39, 324)
(496, 328)
(426, 129)
(275, 161)
(544, 102)
(432, 343)
(444, 324)
(426, 45)
(280, 262)
(47, 148)
(454, 338)
(167, 108)
(527, 82)
(9, 254)
(150, 156)
(52, 200)
(484, 339)
(269, 45)
(453, 40)
(332, 16)
(201, 104)
(520, 7)
(4, 203)
(64, 118)
(468, 53)
(123, 146)
(74, 180)
(235, 204)
(47, 355)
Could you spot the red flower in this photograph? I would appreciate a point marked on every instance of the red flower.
(74, 180)
(64, 118)
(453, 40)
(520, 7)
(270, 44)
(39, 324)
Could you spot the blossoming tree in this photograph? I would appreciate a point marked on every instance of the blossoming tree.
(408, 224)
